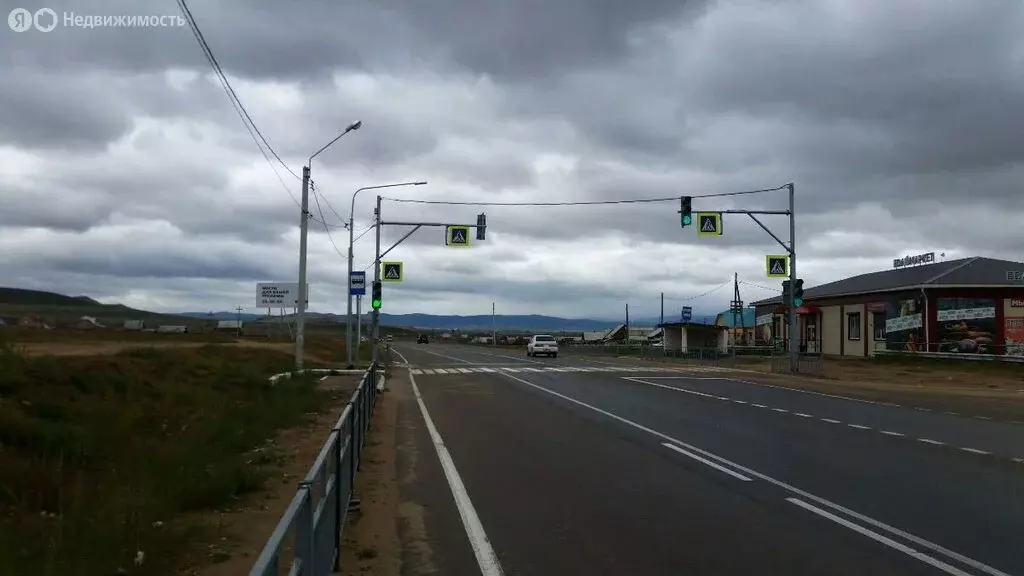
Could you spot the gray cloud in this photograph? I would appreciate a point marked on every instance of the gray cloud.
(125, 173)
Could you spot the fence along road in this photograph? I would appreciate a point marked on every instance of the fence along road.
(315, 518)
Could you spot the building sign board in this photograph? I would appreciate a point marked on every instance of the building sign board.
(1016, 302)
(1014, 275)
(914, 260)
(278, 294)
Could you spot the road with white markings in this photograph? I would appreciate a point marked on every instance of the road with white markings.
(594, 465)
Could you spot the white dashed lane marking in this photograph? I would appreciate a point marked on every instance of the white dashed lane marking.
(890, 433)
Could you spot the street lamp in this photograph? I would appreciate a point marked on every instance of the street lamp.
(300, 316)
(351, 242)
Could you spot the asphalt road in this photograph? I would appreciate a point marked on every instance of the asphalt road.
(581, 465)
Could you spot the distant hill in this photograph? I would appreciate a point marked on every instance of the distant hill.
(59, 308)
(19, 301)
(473, 322)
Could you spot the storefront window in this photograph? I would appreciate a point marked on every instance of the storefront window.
(853, 326)
(879, 322)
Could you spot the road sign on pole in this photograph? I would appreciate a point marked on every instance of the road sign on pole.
(457, 236)
(709, 223)
(687, 313)
(357, 283)
(391, 271)
(776, 265)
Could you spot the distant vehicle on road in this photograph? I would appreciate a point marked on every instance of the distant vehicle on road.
(389, 338)
(542, 344)
(422, 339)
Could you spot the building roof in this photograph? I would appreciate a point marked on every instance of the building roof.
(688, 325)
(966, 272)
(726, 318)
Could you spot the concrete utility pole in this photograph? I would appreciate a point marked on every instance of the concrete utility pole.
(300, 312)
(238, 323)
(662, 307)
(494, 327)
(351, 243)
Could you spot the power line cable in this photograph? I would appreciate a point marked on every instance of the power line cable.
(752, 285)
(236, 105)
(316, 198)
(584, 202)
(227, 85)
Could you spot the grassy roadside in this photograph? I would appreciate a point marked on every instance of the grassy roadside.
(99, 454)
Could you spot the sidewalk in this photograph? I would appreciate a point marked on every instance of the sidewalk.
(407, 522)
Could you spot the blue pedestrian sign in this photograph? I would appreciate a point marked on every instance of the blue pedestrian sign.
(357, 284)
(687, 313)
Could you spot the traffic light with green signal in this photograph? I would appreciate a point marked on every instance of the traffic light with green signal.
(686, 211)
(375, 301)
(798, 293)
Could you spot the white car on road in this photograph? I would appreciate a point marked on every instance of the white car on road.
(542, 345)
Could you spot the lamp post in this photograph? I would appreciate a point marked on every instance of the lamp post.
(351, 243)
(300, 316)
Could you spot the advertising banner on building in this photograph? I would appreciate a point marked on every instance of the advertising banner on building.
(967, 325)
(904, 325)
(1014, 332)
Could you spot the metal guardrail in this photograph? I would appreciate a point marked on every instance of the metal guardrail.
(307, 539)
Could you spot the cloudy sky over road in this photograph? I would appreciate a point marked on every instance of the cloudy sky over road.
(126, 175)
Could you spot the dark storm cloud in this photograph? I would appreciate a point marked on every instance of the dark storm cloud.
(521, 40)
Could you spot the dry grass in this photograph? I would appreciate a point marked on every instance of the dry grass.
(100, 454)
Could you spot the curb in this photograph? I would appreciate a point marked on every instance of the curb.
(327, 371)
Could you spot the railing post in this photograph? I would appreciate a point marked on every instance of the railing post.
(304, 540)
(339, 508)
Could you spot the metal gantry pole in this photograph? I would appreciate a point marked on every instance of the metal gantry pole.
(794, 337)
(300, 315)
(376, 278)
(359, 323)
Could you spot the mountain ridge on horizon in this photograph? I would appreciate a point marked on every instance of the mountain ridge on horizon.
(466, 322)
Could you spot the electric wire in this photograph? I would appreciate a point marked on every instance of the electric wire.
(583, 202)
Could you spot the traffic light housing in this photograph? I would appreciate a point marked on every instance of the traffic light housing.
(481, 226)
(798, 293)
(376, 300)
(686, 211)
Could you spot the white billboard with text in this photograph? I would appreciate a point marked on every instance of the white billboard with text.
(279, 294)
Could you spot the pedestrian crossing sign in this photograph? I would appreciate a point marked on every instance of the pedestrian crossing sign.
(709, 223)
(457, 236)
(391, 271)
(776, 266)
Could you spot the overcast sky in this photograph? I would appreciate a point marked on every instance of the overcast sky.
(126, 175)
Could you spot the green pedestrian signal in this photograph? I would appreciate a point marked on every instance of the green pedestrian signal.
(375, 301)
(686, 211)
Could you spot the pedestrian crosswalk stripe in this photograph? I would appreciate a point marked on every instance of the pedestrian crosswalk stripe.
(571, 369)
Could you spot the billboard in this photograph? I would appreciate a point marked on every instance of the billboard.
(279, 294)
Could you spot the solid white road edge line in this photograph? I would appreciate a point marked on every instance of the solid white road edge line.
(485, 556)
(880, 538)
(755, 474)
(705, 461)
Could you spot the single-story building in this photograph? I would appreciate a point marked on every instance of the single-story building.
(967, 305)
(87, 323)
(134, 325)
(229, 325)
(693, 336)
(740, 326)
